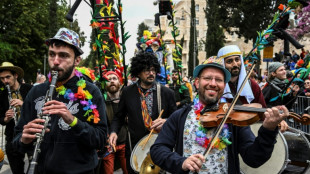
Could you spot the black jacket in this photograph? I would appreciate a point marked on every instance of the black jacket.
(181, 94)
(65, 149)
(4, 103)
(271, 92)
(130, 105)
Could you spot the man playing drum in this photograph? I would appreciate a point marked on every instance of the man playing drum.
(140, 103)
(183, 139)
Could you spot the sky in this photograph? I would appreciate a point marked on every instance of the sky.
(134, 12)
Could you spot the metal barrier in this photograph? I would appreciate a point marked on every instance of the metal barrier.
(301, 103)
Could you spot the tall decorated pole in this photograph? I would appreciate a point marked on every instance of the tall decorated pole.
(125, 37)
(111, 53)
(175, 32)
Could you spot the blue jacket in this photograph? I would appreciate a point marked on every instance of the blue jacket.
(254, 151)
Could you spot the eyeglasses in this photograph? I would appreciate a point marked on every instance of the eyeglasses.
(148, 71)
(209, 79)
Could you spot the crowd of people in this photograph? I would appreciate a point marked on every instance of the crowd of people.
(89, 133)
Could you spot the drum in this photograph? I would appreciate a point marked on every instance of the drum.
(291, 154)
(139, 153)
(299, 151)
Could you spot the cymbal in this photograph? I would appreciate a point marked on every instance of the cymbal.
(148, 167)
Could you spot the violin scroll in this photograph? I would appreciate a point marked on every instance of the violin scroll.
(304, 119)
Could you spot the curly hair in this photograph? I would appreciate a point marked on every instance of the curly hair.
(144, 61)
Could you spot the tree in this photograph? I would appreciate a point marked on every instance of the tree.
(24, 27)
(247, 16)
(53, 17)
(141, 27)
(192, 42)
(215, 36)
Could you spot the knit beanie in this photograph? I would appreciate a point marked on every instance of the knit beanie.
(274, 66)
(112, 72)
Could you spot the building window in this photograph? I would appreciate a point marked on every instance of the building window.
(197, 21)
(177, 20)
(197, 33)
(197, 7)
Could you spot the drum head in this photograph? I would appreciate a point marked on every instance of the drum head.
(139, 153)
(298, 150)
(277, 161)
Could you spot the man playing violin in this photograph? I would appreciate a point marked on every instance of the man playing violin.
(251, 93)
(183, 139)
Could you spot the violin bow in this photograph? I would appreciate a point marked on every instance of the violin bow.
(221, 125)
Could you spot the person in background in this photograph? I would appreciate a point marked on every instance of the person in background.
(233, 62)
(251, 93)
(261, 82)
(306, 88)
(303, 53)
(291, 65)
(40, 79)
(295, 56)
(181, 92)
(117, 150)
(276, 83)
(189, 87)
(10, 111)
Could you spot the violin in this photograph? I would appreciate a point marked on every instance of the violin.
(242, 115)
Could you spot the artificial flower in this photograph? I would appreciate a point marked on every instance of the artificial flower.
(80, 93)
(61, 90)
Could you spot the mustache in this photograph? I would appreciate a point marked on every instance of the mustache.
(57, 69)
(151, 76)
(210, 88)
(235, 68)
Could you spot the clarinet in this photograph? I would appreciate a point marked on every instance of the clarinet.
(11, 107)
(46, 117)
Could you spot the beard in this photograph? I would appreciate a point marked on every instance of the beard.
(148, 82)
(113, 88)
(235, 71)
(66, 73)
(206, 99)
(174, 80)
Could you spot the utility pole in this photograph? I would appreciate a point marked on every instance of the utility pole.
(195, 39)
